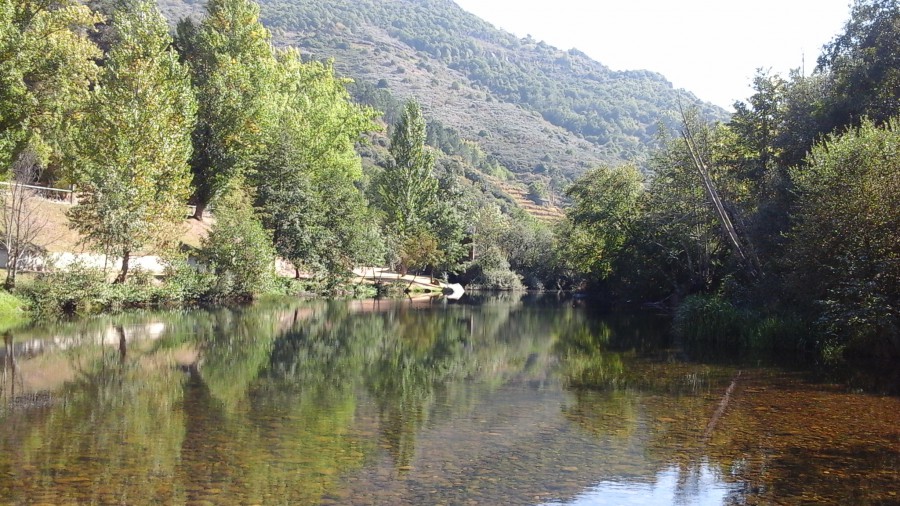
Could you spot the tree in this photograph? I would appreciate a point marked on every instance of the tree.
(602, 217)
(864, 65)
(47, 64)
(20, 216)
(232, 67)
(844, 243)
(132, 157)
(407, 188)
(307, 180)
(238, 248)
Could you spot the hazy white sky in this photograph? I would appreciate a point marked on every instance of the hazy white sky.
(709, 47)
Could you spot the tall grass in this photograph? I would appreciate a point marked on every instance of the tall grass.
(12, 311)
(711, 323)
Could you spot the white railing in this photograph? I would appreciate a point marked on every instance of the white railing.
(49, 193)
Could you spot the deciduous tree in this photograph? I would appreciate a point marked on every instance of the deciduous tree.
(307, 181)
(132, 157)
(47, 64)
(407, 187)
(232, 68)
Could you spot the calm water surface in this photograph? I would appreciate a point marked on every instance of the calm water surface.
(503, 401)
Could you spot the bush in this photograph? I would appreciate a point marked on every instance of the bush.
(65, 292)
(787, 333)
(238, 249)
(491, 271)
(186, 283)
(710, 322)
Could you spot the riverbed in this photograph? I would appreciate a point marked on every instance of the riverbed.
(512, 399)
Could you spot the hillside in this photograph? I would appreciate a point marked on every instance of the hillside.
(525, 105)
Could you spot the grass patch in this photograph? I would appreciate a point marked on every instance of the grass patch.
(12, 311)
(710, 323)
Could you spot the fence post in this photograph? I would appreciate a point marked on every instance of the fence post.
(71, 193)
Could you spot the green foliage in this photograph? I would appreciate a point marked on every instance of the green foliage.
(605, 207)
(490, 269)
(12, 311)
(78, 289)
(238, 249)
(419, 250)
(232, 69)
(864, 65)
(47, 64)
(132, 156)
(306, 184)
(186, 284)
(709, 322)
(843, 246)
(407, 188)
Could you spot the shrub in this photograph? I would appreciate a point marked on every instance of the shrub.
(238, 249)
(491, 271)
(64, 292)
(186, 283)
(711, 322)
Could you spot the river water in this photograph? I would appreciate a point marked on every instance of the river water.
(505, 400)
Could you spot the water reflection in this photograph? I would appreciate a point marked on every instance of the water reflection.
(510, 400)
(700, 487)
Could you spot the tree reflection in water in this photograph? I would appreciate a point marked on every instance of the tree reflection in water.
(373, 402)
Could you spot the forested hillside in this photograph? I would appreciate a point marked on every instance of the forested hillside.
(530, 106)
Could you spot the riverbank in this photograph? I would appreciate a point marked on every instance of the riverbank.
(13, 311)
(86, 290)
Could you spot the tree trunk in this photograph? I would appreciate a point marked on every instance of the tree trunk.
(123, 274)
(12, 266)
(199, 209)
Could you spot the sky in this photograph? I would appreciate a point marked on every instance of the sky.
(709, 47)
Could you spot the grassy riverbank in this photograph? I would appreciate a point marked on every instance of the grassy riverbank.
(12, 311)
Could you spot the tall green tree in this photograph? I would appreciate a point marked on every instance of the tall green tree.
(407, 188)
(132, 157)
(306, 183)
(47, 64)
(232, 68)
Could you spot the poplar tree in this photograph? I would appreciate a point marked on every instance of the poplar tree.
(408, 188)
(132, 157)
(307, 182)
(232, 68)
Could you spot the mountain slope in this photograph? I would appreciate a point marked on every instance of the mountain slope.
(528, 106)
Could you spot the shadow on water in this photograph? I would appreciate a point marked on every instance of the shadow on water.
(497, 398)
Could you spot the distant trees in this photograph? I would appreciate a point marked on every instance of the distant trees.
(131, 157)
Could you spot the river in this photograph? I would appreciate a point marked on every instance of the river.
(499, 400)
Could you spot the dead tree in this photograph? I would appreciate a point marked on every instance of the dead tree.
(744, 254)
(20, 217)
